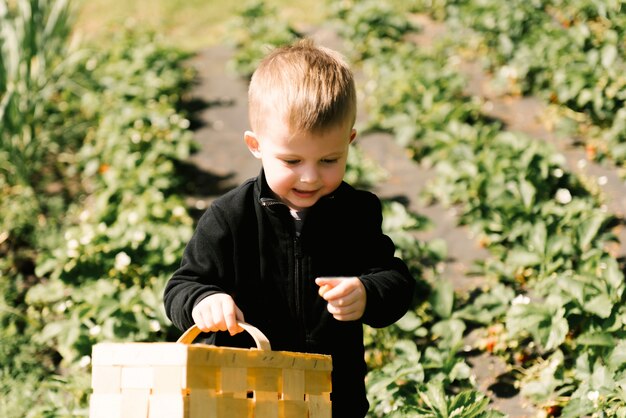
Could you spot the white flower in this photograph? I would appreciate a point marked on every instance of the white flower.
(95, 330)
(135, 137)
(122, 260)
(139, 236)
(87, 237)
(178, 211)
(91, 64)
(61, 307)
(509, 72)
(593, 395)
(558, 173)
(520, 300)
(84, 361)
(563, 196)
(72, 244)
(133, 217)
(200, 204)
(603, 180)
(155, 326)
(184, 124)
(84, 216)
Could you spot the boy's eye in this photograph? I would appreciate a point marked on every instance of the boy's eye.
(291, 162)
(330, 160)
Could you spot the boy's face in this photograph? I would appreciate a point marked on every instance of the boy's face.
(301, 167)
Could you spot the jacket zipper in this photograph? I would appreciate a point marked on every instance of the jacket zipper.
(298, 279)
(297, 251)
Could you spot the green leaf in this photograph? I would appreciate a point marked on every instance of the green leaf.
(601, 339)
(442, 298)
(545, 323)
(609, 53)
(409, 322)
(588, 230)
(468, 404)
(558, 331)
(600, 305)
(450, 331)
(614, 275)
(538, 237)
(435, 398)
(577, 408)
(523, 258)
(602, 378)
(618, 356)
(542, 386)
(461, 371)
(528, 192)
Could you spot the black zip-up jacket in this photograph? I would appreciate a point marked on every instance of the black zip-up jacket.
(245, 245)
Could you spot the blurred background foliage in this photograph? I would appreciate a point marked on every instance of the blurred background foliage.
(190, 25)
(95, 100)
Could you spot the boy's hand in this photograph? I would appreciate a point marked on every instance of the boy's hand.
(346, 297)
(218, 312)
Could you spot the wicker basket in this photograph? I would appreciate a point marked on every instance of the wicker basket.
(180, 380)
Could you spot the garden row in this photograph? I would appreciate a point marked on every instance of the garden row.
(92, 219)
(570, 53)
(555, 310)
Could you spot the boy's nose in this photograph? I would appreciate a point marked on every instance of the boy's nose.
(309, 175)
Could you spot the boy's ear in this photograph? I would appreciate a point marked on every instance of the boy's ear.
(253, 143)
(352, 135)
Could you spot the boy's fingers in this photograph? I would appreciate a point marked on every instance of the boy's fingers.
(323, 289)
(344, 315)
(218, 312)
(324, 284)
(346, 299)
(345, 302)
(239, 314)
(330, 287)
(205, 322)
(220, 322)
(231, 314)
(336, 310)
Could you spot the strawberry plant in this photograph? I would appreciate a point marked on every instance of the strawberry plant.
(547, 233)
(91, 225)
(254, 32)
(569, 52)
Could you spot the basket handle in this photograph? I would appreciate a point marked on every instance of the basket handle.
(261, 341)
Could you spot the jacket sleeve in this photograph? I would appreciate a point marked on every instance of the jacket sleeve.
(202, 271)
(388, 282)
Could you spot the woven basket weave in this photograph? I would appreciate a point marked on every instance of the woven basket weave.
(180, 380)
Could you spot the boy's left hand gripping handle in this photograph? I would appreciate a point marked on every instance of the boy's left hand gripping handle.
(262, 343)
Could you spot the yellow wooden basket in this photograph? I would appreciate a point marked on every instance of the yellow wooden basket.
(180, 380)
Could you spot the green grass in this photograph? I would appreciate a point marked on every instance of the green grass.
(189, 24)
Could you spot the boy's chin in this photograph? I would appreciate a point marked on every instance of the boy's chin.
(301, 205)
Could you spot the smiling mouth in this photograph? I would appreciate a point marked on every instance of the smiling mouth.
(304, 193)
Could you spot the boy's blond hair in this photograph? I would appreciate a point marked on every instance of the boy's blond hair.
(309, 87)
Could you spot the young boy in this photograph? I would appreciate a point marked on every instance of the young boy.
(296, 250)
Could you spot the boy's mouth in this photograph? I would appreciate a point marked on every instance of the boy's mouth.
(304, 193)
